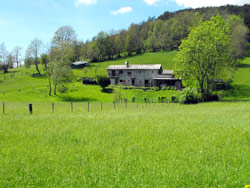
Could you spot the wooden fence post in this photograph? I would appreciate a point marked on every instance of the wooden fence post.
(52, 107)
(71, 107)
(137, 105)
(114, 106)
(126, 104)
(30, 108)
(3, 109)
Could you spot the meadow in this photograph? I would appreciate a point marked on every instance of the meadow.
(138, 145)
(161, 145)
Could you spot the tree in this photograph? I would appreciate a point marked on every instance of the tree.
(45, 60)
(17, 53)
(103, 81)
(34, 51)
(4, 58)
(62, 49)
(239, 37)
(205, 54)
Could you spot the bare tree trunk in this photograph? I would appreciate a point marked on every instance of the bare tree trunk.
(55, 90)
(37, 69)
(49, 85)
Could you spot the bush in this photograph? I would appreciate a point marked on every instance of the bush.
(62, 88)
(189, 96)
(174, 99)
(89, 81)
(103, 81)
(133, 99)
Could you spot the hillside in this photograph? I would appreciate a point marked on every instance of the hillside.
(19, 86)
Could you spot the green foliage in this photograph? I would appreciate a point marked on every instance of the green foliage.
(205, 54)
(118, 95)
(189, 96)
(103, 81)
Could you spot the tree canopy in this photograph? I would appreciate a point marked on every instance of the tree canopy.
(205, 54)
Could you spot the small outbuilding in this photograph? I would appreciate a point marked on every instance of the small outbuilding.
(79, 64)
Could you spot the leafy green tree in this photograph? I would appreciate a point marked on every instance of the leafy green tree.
(62, 50)
(34, 51)
(103, 81)
(205, 54)
(45, 60)
(239, 37)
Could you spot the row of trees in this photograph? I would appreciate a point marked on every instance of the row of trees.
(7, 59)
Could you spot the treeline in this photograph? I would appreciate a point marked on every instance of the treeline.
(164, 33)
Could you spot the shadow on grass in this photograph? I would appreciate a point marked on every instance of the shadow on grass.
(39, 76)
(244, 65)
(238, 93)
(107, 90)
(76, 99)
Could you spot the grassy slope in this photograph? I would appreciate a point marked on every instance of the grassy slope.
(36, 89)
(205, 145)
(241, 82)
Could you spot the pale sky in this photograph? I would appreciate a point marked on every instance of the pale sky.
(23, 20)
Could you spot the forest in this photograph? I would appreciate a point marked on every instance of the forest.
(164, 33)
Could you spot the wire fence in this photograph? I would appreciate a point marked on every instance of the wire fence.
(50, 108)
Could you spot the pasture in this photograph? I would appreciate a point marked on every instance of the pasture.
(149, 145)
(161, 145)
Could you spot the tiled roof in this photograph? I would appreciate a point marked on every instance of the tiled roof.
(135, 67)
(167, 72)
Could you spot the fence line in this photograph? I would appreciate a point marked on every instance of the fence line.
(75, 107)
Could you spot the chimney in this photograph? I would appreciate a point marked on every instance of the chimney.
(127, 63)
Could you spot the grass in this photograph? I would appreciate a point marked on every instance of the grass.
(152, 145)
(19, 85)
(205, 145)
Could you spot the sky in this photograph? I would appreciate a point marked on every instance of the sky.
(23, 20)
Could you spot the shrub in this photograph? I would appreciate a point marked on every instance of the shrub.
(173, 99)
(189, 96)
(103, 81)
(133, 99)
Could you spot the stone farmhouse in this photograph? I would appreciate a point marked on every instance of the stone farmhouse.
(142, 76)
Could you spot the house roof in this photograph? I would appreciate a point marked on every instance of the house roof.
(80, 63)
(167, 72)
(135, 67)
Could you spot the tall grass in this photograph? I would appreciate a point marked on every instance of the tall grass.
(162, 145)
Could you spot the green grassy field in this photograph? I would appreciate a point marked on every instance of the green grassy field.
(166, 145)
(19, 85)
(149, 145)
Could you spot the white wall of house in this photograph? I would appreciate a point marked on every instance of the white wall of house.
(140, 77)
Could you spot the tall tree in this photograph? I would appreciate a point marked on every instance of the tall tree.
(205, 54)
(34, 51)
(62, 51)
(4, 58)
(17, 53)
(239, 37)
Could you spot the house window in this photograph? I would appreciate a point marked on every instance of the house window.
(146, 81)
(121, 72)
(129, 73)
(152, 71)
(140, 72)
(113, 72)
